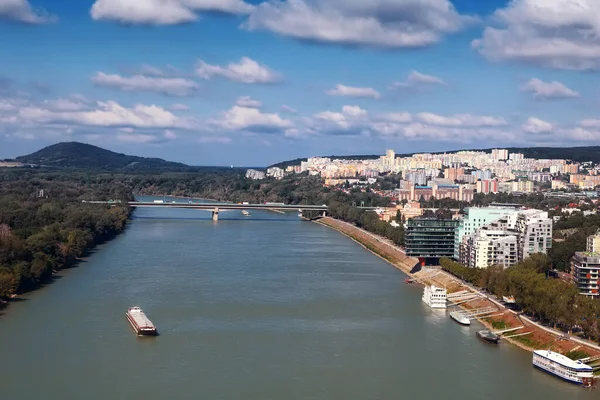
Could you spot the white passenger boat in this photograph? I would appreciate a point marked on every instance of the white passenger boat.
(245, 213)
(563, 367)
(434, 296)
(460, 317)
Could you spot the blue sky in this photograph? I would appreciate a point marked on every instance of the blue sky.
(220, 82)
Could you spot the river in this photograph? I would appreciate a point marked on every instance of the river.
(256, 308)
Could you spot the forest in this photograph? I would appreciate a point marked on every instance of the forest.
(552, 301)
(45, 226)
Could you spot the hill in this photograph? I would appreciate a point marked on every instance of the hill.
(81, 155)
(578, 154)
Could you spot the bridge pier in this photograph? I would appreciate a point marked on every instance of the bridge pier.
(215, 214)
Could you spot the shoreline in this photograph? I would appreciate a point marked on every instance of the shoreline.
(537, 338)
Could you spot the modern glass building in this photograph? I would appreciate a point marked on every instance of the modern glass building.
(429, 239)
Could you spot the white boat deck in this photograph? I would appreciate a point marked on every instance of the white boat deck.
(140, 318)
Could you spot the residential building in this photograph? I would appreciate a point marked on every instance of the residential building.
(500, 154)
(275, 172)
(477, 217)
(507, 240)
(585, 268)
(429, 239)
(254, 174)
(487, 186)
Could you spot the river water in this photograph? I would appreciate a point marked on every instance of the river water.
(257, 308)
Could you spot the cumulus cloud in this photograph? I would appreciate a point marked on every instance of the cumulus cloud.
(562, 34)
(22, 11)
(352, 120)
(103, 114)
(590, 123)
(382, 23)
(179, 107)
(250, 119)
(245, 71)
(460, 120)
(350, 91)
(548, 90)
(536, 125)
(215, 139)
(247, 101)
(162, 12)
(415, 79)
(288, 109)
(141, 83)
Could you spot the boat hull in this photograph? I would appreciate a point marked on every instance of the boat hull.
(460, 319)
(488, 339)
(139, 331)
(584, 384)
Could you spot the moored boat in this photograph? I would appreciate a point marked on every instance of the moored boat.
(245, 213)
(434, 296)
(488, 336)
(140, 323)
(563, 367)
(460, 318)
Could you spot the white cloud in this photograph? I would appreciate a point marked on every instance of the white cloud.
(590, 123)
(141, 83)
(349, 91)
(215, 139)
(247, 101)
(536, 125)
(400, 117)
(104, 114)
(65, 105)
(416, 78)
(22, 11)
(288, 109)
(385, 23)
(139, 138)
(548, 90)
(169, 134)
(351, 121)
(460, 120)
(246, 71)
(250, 119)
(162, 12)
(561, 34)
(179, 107)
(583, 134)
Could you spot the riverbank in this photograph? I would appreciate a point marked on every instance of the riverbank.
(533, 336)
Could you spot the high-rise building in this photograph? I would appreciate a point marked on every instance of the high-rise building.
(430, 239)
(507, 240)
(500, 154)
(477, 217)
(585, 268)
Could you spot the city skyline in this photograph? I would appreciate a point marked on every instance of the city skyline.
(252, 83)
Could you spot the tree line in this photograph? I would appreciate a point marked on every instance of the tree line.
(549, 300)
(45, 227)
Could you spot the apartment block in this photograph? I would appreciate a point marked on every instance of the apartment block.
(507, 240)
(585, 268)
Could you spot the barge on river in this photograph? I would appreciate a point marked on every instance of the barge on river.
(488, 336)
(563, 367)
(140, 323)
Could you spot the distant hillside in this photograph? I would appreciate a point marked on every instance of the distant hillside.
(578, 154)
(81, 155)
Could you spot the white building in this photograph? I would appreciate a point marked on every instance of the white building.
(275, 172)
(435, 297)
(508, 240)
(254, 174)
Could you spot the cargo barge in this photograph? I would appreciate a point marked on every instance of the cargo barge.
(140, 323)
(488, 336)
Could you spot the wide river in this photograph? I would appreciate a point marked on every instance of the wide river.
(254, 308)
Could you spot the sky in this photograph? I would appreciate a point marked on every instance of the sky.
(250, 83)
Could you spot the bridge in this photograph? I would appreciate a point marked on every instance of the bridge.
(216, 207)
